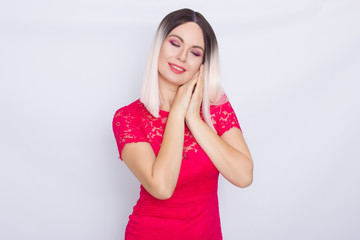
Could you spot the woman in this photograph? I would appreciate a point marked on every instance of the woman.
(180, 134)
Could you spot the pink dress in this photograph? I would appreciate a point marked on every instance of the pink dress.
(193, 210)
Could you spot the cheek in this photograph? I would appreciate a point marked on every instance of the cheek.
(163, 52)
(162, 60)
(195, 65)
(195, 60)
(193, 71)
(167, 51)
(161, 55)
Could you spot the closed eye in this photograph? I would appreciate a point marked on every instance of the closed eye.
(196, 54)
(174, 44)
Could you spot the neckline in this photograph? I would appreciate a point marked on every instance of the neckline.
(163, 112)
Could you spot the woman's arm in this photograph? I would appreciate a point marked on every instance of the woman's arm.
(229, 153)
(159, 174)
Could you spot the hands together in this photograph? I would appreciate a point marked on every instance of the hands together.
(197, 96)
(189, 96)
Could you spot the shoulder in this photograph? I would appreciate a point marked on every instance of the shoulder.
(128, 115)
(223, 106)
(127, 125)
(224, 117)
(131, 110)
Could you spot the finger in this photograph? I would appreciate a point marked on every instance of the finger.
(193, 85)
(189, 87)
(201, 79)
(194, 88)
(202, 69)
(197, 75)
(197, 91)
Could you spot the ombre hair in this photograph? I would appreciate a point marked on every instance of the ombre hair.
(213, 93)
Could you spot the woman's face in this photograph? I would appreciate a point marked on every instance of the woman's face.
(181, 54)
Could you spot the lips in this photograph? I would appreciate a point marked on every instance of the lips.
(176, 68)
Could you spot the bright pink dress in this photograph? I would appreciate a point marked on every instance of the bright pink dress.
(193, 210)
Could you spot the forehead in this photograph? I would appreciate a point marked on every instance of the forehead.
(190, 32)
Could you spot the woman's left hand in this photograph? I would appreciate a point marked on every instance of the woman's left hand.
(197, 97)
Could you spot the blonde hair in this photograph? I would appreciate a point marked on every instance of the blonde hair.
(213, 93)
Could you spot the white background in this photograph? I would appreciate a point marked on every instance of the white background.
(291, 70)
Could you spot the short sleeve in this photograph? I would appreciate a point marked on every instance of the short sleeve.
(127, 128)
(226, 118)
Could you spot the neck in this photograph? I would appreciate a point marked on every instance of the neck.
(167, 92)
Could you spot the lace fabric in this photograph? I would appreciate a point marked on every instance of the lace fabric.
(133, 123)
(192, 212)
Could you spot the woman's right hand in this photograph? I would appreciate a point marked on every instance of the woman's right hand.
(183, 96)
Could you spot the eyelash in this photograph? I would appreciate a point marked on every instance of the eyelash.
(196, 54)
(176, 45)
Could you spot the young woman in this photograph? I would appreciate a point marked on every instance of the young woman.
(180, 134)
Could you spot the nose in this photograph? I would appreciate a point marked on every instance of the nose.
(182, 55)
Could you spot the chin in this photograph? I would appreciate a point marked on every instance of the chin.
(181, 81)
(176, 80)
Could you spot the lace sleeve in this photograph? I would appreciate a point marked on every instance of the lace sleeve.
(127, 129)
(226, 118)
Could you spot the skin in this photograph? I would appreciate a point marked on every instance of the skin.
(184, 46)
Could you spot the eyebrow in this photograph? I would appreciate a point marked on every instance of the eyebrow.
(182, 40)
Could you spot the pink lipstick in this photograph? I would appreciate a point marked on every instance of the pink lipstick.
(176, 68)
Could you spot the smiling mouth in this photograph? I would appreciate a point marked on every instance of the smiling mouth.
(177, 69)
